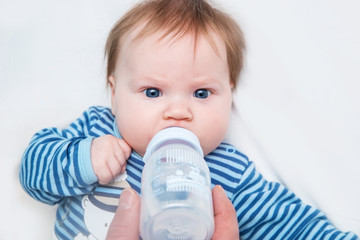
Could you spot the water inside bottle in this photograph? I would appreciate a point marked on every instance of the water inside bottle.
(178, 195)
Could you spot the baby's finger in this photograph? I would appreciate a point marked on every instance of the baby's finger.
(125, 147)
(115, 165)
(104, 174)
(123, 169)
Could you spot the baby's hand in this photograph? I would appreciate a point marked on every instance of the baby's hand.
(108, 157)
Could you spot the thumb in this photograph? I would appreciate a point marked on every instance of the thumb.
(226, 225)
(125, 224)
(125, 147)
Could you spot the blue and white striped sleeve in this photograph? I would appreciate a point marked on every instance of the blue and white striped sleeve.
(57, 162)
(268, 210)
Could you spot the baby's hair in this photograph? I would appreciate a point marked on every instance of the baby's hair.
(179, 17)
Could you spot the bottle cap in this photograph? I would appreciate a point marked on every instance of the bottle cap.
(173, 134)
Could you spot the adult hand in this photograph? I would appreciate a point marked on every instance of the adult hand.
(125, 224)
(226, 225)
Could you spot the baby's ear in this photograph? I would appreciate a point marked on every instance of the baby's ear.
(112, 89)
(111, 82)
(232, 85)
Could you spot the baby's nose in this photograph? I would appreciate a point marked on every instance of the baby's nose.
(178, 110)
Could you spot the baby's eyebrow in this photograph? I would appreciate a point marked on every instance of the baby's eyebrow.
(152, 79)
(148, 80)
(203, 80)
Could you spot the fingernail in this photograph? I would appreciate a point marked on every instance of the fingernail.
(220, 188)
(126, 199)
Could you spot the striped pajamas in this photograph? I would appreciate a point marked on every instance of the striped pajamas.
(56, 169)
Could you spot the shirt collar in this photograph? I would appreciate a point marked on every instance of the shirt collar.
(116, 130)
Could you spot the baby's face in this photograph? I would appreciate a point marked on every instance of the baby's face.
(162, 83)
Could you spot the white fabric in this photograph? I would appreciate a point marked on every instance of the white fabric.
(298, 109)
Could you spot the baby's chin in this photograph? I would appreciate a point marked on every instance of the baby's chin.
(140, 151)
(139, 147)
(207, 151)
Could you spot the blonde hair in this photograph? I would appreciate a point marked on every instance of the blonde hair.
(179, 17)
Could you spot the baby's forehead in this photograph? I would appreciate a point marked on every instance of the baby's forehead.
(168, 37)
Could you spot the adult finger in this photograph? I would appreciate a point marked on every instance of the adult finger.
(125, 224)
(226, 225)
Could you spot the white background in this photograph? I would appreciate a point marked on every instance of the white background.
(298, 109)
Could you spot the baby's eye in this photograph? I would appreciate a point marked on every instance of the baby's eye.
(152, 92)
(202, 93)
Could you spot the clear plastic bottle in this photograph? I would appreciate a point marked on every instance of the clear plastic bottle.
(176, 200)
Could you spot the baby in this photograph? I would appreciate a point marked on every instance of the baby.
(170, 63)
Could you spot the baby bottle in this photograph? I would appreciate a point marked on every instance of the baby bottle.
(176, 200)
